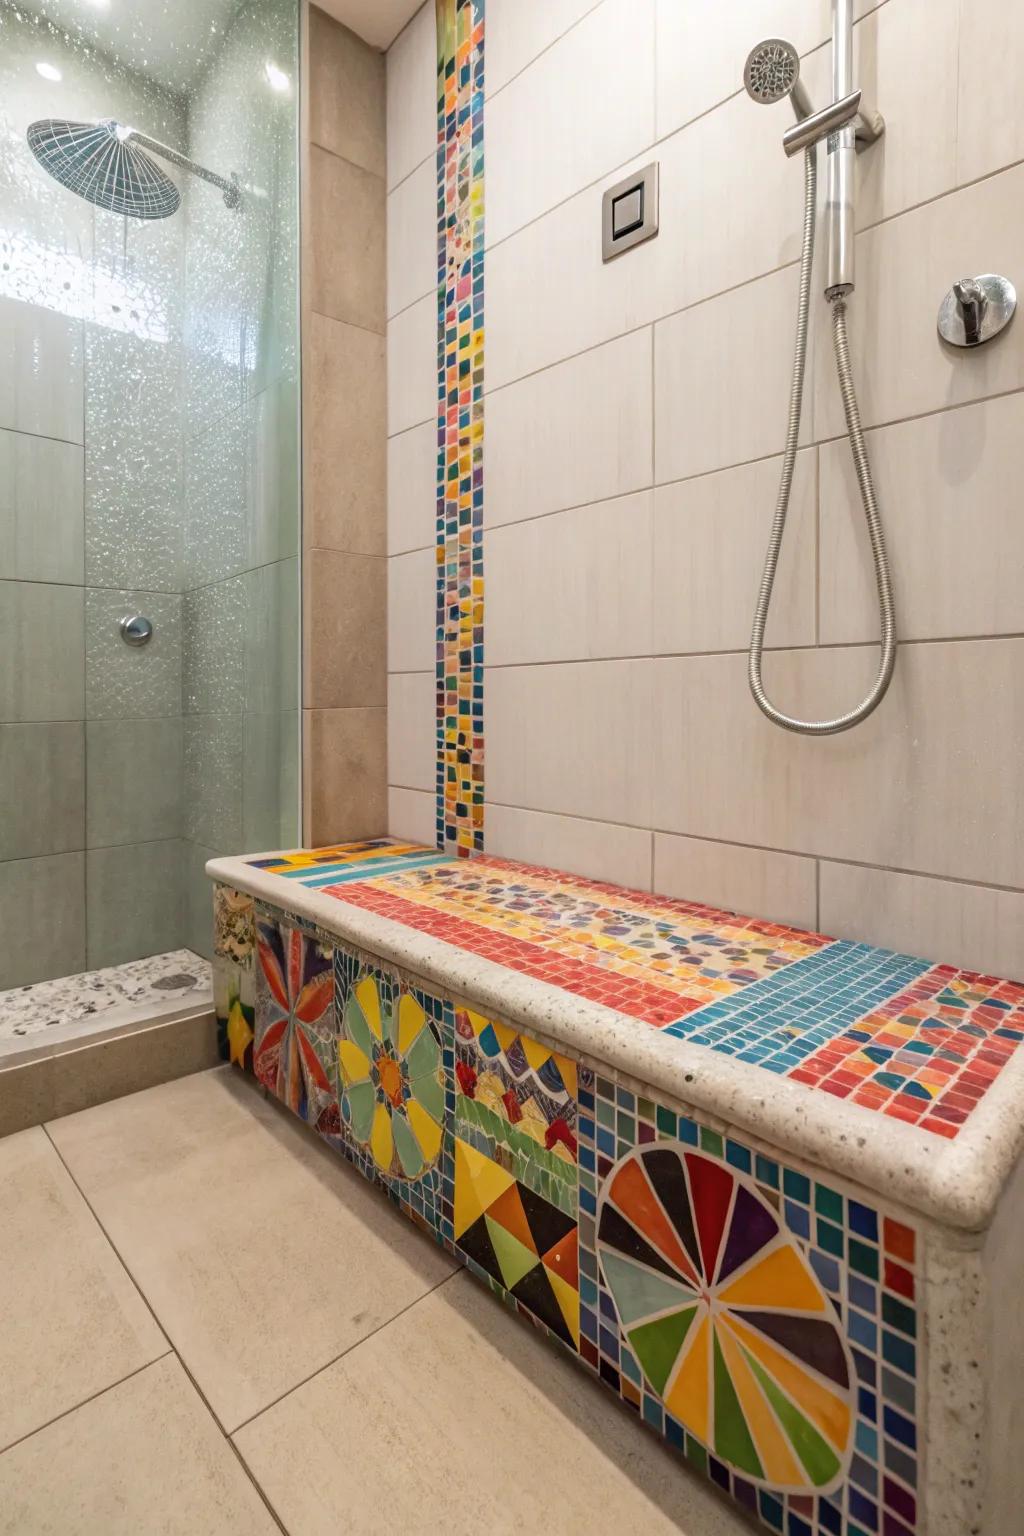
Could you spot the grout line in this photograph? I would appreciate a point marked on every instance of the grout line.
(325, 149)
(432, 156)
(489, 96)
(791, 853)
(102, 1392)
(357, 1344)
(817, 546)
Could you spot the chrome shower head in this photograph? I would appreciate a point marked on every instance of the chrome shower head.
(112, 166)
(101, 164)
(772, 71)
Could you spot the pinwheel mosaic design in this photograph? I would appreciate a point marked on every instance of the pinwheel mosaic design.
(730, 1325)
(391, 1076)
(293, 1054)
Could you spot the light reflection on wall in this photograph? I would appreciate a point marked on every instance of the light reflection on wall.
(80, 288)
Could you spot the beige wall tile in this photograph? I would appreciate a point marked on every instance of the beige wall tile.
(942, 920)
(346, 94)
(412, 238)
(346, 223)
(412, 366)
(596, 849)
(572, 738)
(916, 786)
(412, 96)
(177, 1228)
(517, 34)
(147, 1450)
(345, 635)
(412, 814)
(903, 368)
(344, 407)
(710, 538)
(412, 489)
(949, 490)
(572, 117)
(412, 727)
(722, 377)
(98, 1328)
(990, 120)
(572, 585)
(588, 425)
(412, 611)
(344, 784)
(752, 881)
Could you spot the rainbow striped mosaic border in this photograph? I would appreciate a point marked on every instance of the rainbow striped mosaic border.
(460, 409)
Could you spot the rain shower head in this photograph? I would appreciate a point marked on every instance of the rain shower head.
(772, 71)
(108, 165)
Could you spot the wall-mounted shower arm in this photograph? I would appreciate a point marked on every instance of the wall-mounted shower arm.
(230, 189)
(818, 125)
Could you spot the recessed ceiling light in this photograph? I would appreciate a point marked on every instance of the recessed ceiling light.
(99, 5)
(276, 78)
(48, 71)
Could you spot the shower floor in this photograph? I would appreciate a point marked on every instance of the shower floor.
(118, 994)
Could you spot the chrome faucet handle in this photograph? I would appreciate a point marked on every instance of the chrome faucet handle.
(972, 303)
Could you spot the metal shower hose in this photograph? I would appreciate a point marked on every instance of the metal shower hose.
(867, 492)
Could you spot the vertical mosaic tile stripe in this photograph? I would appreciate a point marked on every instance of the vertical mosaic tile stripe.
(460, 350)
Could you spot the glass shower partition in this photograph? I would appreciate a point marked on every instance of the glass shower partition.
(149, 467)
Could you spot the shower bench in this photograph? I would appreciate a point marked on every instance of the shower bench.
(763, 1183)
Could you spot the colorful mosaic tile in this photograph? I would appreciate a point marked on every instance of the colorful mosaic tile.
(295, 1047)
(351, 861)
(515, 1102)
(763, 1322)
(918, 1042)
(460, 420)
(234, 946)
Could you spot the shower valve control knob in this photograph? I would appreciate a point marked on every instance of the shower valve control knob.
(136, 629)
(975, 309)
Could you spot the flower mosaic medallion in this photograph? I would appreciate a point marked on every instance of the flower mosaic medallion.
(391, 1077)
(729, 1324)
(293, 1055)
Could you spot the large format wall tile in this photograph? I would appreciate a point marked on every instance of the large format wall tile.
(345, 788)
(41, 371)
(345, 630)
(572, 585)
(270, 784)
(42, 789)
(412, 238)
(412, 611)
(412, 365)
(412, 96)
(917, 786)
(122, 681)
(903, 367)
(271, 638)
(572, 738)
(272, 473)
(215, 532)
(346, 93)
(990, 121)
(949, 489)
(588, 423)
(753, 881)
(344, 241)
(212, 647)
(213, 779)
(596, 849)
(948, 921)
(42, 918)
(345, 409)
(412, 727)
(133, 901)
(710, 537)
(41, 516)
(42, 673)
(135, 781)
(572, 117)
(517, 34)
(412, 489)
(412, 815)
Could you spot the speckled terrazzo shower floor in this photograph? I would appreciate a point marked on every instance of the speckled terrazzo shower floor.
(95, 998)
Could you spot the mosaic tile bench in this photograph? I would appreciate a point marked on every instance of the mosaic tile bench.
(762, 1182)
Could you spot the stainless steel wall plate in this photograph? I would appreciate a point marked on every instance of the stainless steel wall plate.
(135, 629)
(976, 308)
(629, 212)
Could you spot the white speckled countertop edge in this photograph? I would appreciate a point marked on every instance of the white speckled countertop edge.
(957, 1183)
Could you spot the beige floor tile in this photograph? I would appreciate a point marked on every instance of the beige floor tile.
(262, 1253)
(458, 1417)
(71, 1322)
(144, 1459)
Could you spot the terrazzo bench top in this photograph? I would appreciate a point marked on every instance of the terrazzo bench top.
(900, 1074)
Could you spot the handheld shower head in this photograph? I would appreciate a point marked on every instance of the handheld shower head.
(772, 71)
